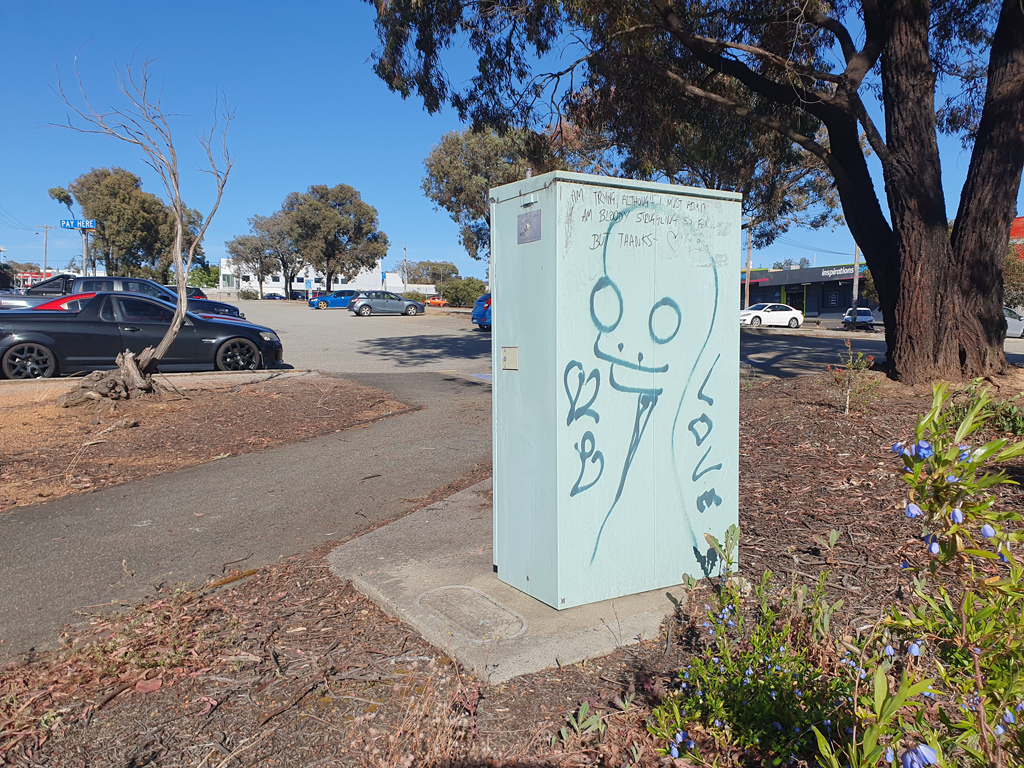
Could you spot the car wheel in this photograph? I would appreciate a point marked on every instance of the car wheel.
(321, 305)
(365, 310)
(794, 323)
(29, 361)
(411, 310)
(755, 321)
(238, 355)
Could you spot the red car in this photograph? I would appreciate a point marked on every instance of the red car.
(70, 303)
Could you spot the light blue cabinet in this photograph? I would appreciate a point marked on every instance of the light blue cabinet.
(616, 383)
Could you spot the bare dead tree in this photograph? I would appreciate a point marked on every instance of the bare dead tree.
(143, 123)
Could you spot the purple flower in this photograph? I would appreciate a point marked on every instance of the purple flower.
(897, 448)
(999, 730)
(965, 452)
(988, 531)
(889, 651)
(914, 649)
(924, 449)
(934, 548)
(889, 755)
(1008, 717)
(928, 755)
(681, 736)
(957, 516)
(952, 479)
(673, 750)
(690, 744)
(913, 510)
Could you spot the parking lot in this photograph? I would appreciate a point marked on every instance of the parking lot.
(337, 341)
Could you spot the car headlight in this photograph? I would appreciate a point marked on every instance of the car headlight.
(269, 336)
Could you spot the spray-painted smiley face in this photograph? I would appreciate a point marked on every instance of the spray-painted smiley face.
(629, 340)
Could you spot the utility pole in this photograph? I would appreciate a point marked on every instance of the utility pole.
(856, 284)
(405, 266)
(746, 287)
(46, 234)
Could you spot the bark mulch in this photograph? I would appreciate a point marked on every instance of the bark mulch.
(288, 666)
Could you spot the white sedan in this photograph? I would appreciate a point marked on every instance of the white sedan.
(771, 314)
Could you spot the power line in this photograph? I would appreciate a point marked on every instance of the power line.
(795, 244)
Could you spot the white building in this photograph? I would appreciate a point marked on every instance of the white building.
(310, 279)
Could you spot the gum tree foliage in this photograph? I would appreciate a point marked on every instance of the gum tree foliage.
(335, 230)
(464, 166)
(789, 262)
(205, 276)
(249, 254)
(134, 229)
(806, 72)
(427, 272)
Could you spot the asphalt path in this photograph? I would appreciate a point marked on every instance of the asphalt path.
(64, 560)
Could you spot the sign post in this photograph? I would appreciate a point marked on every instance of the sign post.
(83, 226)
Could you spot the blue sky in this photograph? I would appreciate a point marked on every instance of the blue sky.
(309, 110)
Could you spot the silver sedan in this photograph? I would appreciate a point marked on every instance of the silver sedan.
(384, 302)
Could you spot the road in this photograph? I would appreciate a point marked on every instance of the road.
(94, 552)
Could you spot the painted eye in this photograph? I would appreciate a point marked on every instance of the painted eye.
(605, 305)
(664, 321)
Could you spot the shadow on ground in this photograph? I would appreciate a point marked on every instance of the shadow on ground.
(416, 350)
(788, 355)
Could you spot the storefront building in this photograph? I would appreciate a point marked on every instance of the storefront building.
(812, 290)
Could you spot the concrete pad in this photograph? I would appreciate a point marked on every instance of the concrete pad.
(433, 570)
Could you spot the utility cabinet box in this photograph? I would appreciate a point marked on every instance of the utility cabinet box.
(616, 383)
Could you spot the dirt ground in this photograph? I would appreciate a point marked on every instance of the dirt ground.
(288, 666)
(47, 452)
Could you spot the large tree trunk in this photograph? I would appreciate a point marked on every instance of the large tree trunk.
(934, 335)
(988, 202)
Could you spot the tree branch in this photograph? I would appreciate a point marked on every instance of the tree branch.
(737, 109)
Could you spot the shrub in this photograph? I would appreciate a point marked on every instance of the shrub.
(248, 294)
(849, 378)
(462, 292)
(415, 296)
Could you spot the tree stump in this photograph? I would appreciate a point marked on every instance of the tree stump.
(123, 383)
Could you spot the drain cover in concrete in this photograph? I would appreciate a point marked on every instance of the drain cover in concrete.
(471, 615)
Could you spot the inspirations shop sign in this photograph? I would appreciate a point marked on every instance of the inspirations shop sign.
(811, 275)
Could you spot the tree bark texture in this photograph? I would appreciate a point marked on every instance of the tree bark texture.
(988, 201)
(934, 334)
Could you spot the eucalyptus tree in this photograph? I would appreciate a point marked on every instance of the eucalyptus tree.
(809, 74)
(250, 254)
(335, 230)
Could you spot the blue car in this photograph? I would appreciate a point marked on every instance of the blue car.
(482, 312)
(336, 300)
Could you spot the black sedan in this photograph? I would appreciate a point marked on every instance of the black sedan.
(43, 343)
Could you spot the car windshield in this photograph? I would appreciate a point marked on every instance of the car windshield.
(757, 307)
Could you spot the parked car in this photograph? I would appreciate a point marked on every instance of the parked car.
(45, 343)
(297, 295)
(77, 301)
(383, 302)
(865, 319)
(336, 300)
(481, 314)
(1014, 323)
(72, 303)
(192, 291)
(771, 314)
(63, 285)
(436, 301)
